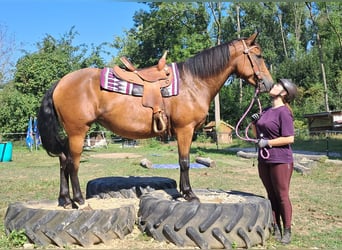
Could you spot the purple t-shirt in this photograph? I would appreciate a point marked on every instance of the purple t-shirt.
(274, 123)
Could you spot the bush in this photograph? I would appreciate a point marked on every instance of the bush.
(14, 239)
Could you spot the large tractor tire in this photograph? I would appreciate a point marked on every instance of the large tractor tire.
(223, 219)
(105, 219)
(126, 187)
(45, 223)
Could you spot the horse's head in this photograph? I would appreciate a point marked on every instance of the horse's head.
(250, 64)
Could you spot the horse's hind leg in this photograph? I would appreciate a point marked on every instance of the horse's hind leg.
(76, 148)
(64, 199)
(69, 165)
(184, 143)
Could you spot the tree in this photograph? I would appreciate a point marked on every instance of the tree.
(7, 46)
(320, 50)
(330, 31)
(179, 27)
(216, 9)
(15, 110)
(54, 58)
(36, 72)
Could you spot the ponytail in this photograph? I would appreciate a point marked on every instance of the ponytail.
(287, 104)
(289, 107)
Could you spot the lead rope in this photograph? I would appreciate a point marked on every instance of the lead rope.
(263, 151)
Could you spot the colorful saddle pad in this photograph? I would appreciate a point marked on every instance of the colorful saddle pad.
(111, 83)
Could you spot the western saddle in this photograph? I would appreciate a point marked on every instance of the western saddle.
(152, 79)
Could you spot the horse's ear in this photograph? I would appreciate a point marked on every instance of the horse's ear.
(252, 38)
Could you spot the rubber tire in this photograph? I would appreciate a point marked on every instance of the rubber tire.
(206, 225)
(126, 187)
(64, 227)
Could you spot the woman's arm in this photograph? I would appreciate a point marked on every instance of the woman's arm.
(281, 141)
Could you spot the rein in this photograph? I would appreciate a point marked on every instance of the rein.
(263, 151)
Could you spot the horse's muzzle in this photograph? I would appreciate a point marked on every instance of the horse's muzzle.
(264, 86)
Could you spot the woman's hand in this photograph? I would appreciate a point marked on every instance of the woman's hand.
(262, 143)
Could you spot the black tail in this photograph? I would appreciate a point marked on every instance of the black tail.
(49, 126)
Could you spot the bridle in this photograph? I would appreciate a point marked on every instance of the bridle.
(263, 151)
(255, 66)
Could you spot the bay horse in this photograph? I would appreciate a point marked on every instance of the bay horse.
(76, 101)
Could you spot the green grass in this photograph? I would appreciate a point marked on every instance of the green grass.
(316, 197)
(319, 144)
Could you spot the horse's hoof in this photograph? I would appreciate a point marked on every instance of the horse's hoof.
(191, 197)
(65, 203)
(84, 206)
(67, 206)
(79, 204)
(194, 199)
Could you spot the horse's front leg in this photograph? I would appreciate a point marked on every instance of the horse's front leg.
(184, 143)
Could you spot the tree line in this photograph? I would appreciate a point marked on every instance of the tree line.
(301, 41)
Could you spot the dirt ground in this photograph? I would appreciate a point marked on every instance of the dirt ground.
(116, 155)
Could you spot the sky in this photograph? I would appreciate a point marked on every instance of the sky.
(95, 21)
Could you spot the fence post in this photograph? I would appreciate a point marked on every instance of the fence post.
(327, 140)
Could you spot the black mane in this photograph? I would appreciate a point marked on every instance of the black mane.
(209, 61)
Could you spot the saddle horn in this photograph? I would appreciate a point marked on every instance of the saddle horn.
(162, 61)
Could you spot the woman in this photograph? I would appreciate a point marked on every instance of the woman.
(275, 130)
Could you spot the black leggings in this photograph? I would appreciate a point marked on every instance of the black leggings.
(276, 179)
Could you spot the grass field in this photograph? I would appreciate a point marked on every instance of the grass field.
(316, 197)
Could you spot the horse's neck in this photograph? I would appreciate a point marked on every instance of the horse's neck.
(214, 84)
(204, 87)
